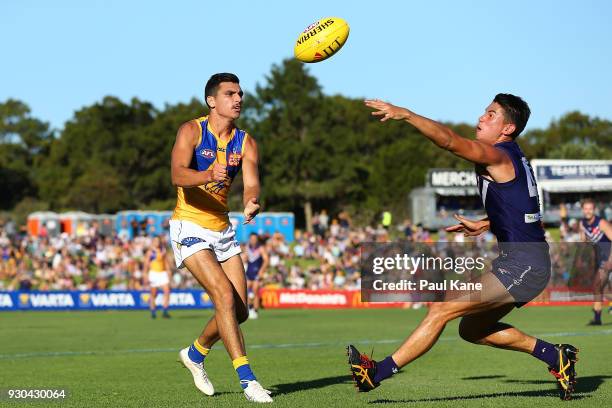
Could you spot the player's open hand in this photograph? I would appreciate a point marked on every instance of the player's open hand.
(219, 172)
(251, 209)
(470, 228)
(387, 111)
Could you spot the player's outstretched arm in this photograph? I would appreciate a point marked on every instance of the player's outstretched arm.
(250, 179)
(182, 153)
(442, 136)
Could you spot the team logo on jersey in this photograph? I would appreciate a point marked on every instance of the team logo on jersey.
(214, 186)
(209, 154)
(189, 241)
(221, 149)
(535, 217)
(234, 159)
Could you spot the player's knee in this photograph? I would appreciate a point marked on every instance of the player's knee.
(439, 311)
(224, 300)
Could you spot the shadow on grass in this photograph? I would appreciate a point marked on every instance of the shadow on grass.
(584, 387)
(483, 377)
(288, 388)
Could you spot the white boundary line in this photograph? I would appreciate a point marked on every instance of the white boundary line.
(14, 356)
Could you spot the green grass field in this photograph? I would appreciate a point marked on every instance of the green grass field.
(125, 359)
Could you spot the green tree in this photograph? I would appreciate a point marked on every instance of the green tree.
(573, 136)
(24, 141)
(110, 133)
(98, 189)
(285, 121)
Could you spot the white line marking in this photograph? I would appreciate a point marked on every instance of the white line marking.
(266, 346)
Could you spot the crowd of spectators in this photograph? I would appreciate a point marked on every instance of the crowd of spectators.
(326, 258)
(89, 261)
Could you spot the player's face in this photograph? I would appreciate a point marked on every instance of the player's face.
(588, 210)
(228, 100)
(253, 240)
(491, 125)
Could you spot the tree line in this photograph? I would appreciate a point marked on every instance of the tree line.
(316, 151)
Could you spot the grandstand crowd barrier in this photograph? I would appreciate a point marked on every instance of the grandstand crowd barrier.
(99, 300)
(198, 299)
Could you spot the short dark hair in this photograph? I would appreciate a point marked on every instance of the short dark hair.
(516, 111)
(587, 200)
(213, 84)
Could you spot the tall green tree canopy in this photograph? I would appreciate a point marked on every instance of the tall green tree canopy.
(316, 151)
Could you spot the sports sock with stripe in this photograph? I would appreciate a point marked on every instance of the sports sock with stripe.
(243, 369)
(197, 353)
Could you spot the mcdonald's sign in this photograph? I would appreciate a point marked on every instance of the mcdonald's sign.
(269, 298)
(356, 300)
(316, 299)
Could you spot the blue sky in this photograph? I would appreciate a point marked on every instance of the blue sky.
(442, 59)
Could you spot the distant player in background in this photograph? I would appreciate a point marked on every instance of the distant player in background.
(599, 232)
(509, 194)
(257, 263)
(207, 156)
(158, 274)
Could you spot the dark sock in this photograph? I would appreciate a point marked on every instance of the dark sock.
(385, 369)
(597, 316)
(546, 352)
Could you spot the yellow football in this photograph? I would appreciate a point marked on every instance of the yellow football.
(321, 39)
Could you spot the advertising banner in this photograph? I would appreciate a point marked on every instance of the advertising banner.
(100, 300)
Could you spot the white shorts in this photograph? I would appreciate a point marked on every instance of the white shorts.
(188, 238)
(158, 279)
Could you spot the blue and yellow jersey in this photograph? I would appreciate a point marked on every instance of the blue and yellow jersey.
(206, 205)
(158, 262)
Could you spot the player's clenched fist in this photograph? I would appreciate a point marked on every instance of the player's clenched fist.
(219, 172)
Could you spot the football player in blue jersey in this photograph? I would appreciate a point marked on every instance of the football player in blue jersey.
(598, 231)
(510, 197)
(256, 258)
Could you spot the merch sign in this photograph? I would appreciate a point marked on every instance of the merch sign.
(100, 300)
(451, 178)
(574, 171)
